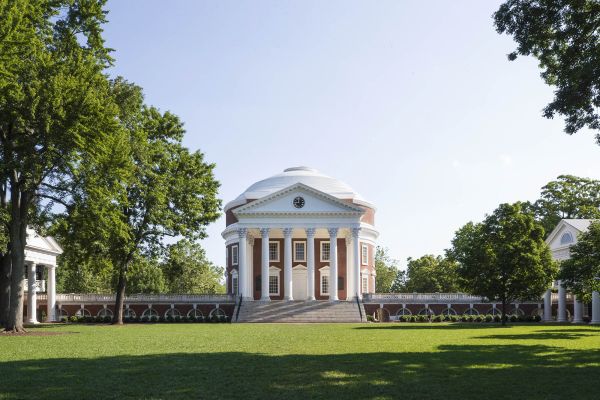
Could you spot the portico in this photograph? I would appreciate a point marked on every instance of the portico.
(291, 242)
(40, 253)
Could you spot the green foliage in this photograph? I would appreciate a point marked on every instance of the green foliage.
(145, 276)
(563, 36)
(187, 270)
(579, 273)
(567, 197)
(387, 270)
(431, 274)
(504, 258)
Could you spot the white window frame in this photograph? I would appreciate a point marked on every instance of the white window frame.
(278, 251)
(364, 283)
(234, 282)
(364, 254)
(235, 255)
(302, 242)
(324, 272)
(321, 251)
(274, 272)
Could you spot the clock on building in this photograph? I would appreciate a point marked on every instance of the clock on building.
(298, 201)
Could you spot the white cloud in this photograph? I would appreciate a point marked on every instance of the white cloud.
(506, 159)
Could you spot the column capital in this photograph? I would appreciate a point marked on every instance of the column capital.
(333, 232)
(264, 232)
(287, 232)
(355, 232)
(242, 233)
(310, 232)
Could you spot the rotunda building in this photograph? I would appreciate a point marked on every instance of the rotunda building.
(300, 235)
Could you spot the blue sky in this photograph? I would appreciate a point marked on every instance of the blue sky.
(415, 106)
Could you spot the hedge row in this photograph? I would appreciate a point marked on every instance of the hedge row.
(154, 319)
(468, 318)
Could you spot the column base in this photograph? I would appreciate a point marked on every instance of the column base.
(334, 299)
(265, 299)
(579, 321)
(247, 298)
(311, 298)
(32, 321)
(288, 298)
(562, 320)
(595, 322)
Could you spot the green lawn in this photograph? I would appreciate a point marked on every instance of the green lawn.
(382, 361)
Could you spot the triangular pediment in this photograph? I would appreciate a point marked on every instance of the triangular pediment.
(312, 202)
(560, 233)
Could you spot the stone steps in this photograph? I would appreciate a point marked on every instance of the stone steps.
(300, 311)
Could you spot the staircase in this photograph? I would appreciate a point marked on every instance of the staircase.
(301, 311)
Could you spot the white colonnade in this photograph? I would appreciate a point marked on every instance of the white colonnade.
(353, 262)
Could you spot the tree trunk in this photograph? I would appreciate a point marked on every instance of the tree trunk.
(5, 272)
(121, 285)
(503, 312)
(18, 234)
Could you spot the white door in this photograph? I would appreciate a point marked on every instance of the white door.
(299, 283)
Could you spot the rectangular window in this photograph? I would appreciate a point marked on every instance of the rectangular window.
(274, 251)
(234, 255)
(300, 251)
(365, 284)
(365, 254)
(234, 283)
(273, 285)
(324, 284)
(325, 251)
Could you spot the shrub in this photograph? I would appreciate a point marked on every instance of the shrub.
(438, 318)
(98, 319)
(73, 318)
(497, 318)
(478, 318)
(537, 318)
(64, 319)
(489, 318)
(513, 318)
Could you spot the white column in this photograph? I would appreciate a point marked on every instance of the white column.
(577, 311)
(595, 307)
(51, 294)
(548, 306)
(310, 249)
(31, 295)
(562, 303)
(243, 273)
(287, 264)
(356, 261)
(264, 269)
(333, 270)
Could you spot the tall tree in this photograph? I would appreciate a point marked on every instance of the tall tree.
(564, 36)
(581, 272)
(387, 270)
(431, 274)
(567, 197)
(187, 270)
(504, 258)
(54, 109)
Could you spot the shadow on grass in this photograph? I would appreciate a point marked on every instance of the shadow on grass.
(453, 372)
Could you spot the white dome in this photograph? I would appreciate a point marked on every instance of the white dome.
(305, 175)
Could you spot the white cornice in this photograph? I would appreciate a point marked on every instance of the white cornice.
(246, 209)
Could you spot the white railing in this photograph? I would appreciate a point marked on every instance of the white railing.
(40, 285)
(422, 298)
(76, 298)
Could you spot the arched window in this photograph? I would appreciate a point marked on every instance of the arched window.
(149, 312)
(83, 312)
(62, 313)
(538, 311)
(217, 312)
(172, 312)
(449, 311)
(471, 311)
(427, 311)
(566, 238)
(494, 311)
(381, 315)
(403, 311)
(129, 313)
(195, 313)
(516, 311)
(105, 312)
